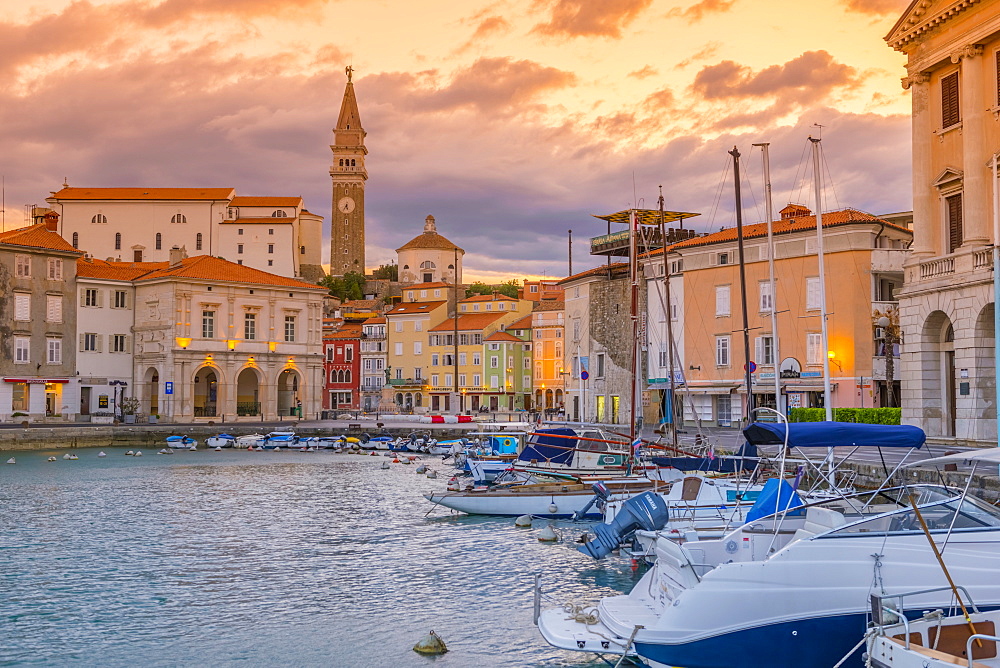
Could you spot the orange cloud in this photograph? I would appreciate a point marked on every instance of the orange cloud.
(812, 75)
(877, 7)
(697, 11)
(589, 18)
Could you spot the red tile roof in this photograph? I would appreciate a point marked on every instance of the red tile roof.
(616, 268)
(503, 336)
(115, 271)
(429, 240)
(374, 321)
(410, 308)
(523, 323)
(489, 298)
(145, 193)
(207, 267)
(786, 226)
(37, 236)
(350, 330)
(468, 323)
(243, 200)
(424, 286)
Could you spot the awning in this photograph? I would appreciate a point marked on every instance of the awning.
(709, 389)
(806, 387)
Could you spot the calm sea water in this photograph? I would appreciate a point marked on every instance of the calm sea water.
(267, 559)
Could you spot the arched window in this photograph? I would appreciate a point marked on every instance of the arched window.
(427, 265)
(76, 240)
(197, 241)
(99, 219)
(352, 162)
(118, 240)
(179, 218)
(159, 241)
(279, 214)
(347, 376)
(333, 376)
(341, 162)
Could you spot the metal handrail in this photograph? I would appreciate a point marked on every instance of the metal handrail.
(899, 597)
(977, 636)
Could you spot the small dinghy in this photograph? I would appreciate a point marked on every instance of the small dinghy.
(181, 443)
(221, 441)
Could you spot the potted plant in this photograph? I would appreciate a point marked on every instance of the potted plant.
(102, 417)
(154, 418)
(130, 406)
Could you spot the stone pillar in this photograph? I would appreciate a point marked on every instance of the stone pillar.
(924, 199)
(976, 207)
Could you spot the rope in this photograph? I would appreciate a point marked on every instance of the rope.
(579, 614)
(853, 650)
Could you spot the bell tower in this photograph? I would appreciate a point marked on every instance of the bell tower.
(347, 214)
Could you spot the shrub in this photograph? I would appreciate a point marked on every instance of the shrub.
(859, 415)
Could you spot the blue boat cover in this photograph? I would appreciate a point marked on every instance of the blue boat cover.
(776, 496)
(226, 436)
(550, 445)
(504, 445)
(833, 434)
(720, 464)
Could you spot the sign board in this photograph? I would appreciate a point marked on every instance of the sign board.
(812, 374)
(102, 401)
(168, 387)
(790, 368)
(795, 400)
(750, 366)
(584, 375)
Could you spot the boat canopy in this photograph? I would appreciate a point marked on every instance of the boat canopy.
(984, 456)
(744, 460)
(833, 434)
(550, 445)
(777, 496)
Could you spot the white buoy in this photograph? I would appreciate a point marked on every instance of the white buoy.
(138, 453)
(385, 464)
(553, 508)
(11, 461)
(51, 459)
(67, 456)
(421, 469)
(430, 644)
(548, 535)
(129, 453)
(523, 521)
(73, 457)
(432, 474)
(218, 449)
(102, 454)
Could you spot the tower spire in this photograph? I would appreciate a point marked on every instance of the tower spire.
(348, 173)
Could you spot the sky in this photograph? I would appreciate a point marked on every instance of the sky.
(510, 121)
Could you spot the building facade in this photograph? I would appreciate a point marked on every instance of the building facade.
(374, 350)
(548, 349)
(342, 368)
(946, 303)
(38, 317)
(348, 173)
(430, 258)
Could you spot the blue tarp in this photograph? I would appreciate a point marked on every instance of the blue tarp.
(556, 448)
(834, 434)
(776, 496)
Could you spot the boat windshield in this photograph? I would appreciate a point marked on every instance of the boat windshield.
(592, 445)
(939, 515)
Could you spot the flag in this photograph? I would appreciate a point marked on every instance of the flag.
(636, 444)
(711, 453)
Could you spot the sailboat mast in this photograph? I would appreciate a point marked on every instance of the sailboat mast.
(634, 315)
(670, 331)
(743, 284)
(770, 268)
(818, 183)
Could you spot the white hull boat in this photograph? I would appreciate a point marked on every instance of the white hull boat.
(221, 441)
(181, 443)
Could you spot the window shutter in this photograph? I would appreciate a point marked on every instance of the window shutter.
(954, 204)
(22, 307)
(950, 113)
(758, 350)
(99, 340)
(100, 298)
(83, 342)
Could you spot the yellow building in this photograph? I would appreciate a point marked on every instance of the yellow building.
(424, 306)
(947, 303)
(864, 259)
(547, 347)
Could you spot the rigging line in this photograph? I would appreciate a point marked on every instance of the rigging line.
(800, 178)
(749, 187)
(829, 177)
(718, 198)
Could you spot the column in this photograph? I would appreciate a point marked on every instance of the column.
(976, 207)
(924, 238)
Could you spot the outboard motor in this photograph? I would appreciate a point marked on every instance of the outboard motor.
(647, 511)
(601, 495)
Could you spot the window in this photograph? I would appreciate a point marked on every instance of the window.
(270, 263)
(250, 326)
(722, 351)
(55, 267)
(662, 363)
(121, 299)
(461, 380)
(329, 353)
(22, 266)
(494, 362)
(448, 380)
(398, 349)
(724, 409)
(476, 380)
(53, 308)
(197, 241)
(22, 307)
(348, 353)
(418, 326)
(22, 350)
(434, 359)
(99, 219)
(766, 300)
(239, 231)
(118, 240)
(208, 324)
(53, 349)
(270, 231)
(159, 241)
(119, 343)
(600, 366)
(418, 347)
(576, 329)
(178, 218)
(723, 258)
(722, 300)
(533, 288)
(434, 379)
(953, 206)
(527, 362)
(239, 249)
(950, 113)
(289, 328)
(477, 359)
(270, 248)
(76, 240)
(814, 348)
(399, 326)
(764, 350)
(279, 214)
(91, 297)
(812, 292)
(90, 342)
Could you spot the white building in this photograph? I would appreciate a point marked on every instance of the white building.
(373, 362)
(274, 234)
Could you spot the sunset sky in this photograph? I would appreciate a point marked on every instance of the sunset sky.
(510, 121)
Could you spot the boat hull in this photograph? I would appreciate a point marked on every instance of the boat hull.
(538, 505)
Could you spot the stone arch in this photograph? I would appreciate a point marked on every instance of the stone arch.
(207, 390)
(289, 391)
(248, 382)
(150, 395)
(936, 358)
(984, 395)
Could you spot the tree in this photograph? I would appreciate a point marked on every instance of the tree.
(888, 321)
(349, 286)
(507, 288)
(387, 272)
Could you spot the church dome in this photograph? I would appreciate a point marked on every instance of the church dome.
(429, 240)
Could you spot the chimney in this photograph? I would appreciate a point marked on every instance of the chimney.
(51, 220)
(177, 254)
(794, 211)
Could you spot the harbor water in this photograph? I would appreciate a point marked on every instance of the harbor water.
(268, 559)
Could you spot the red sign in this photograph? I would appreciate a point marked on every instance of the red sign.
(36, 381)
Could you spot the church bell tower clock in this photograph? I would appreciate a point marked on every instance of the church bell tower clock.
(347, 217)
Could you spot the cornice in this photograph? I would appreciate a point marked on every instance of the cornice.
(918, 21)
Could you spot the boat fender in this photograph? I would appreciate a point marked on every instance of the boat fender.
(51, 459)
(102, 454)
(432, 474)
(138, 453)
(385, 464)
(430, 644)
(553, 508)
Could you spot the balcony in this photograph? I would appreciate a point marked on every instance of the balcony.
(406, 382)
(965, 265)
(889, 260)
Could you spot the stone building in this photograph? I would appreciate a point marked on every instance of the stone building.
(946, 303)
(37, 325)
(430, 258)
(348, 173)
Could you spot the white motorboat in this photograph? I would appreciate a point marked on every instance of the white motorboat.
(181, 443)
(221, 441)
(280, 439)
(249, 441)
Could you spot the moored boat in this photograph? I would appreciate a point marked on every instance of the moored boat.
(181, 443)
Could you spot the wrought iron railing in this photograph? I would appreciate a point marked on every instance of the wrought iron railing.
(244, 408)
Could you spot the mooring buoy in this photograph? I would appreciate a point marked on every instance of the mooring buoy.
(523, 521)
(430, 644)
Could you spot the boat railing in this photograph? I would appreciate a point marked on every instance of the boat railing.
(977, 637)
(879, 608)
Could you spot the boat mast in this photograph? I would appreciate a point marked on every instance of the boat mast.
(670, 332)
(743, 285)
(634, 315)
(818, 183)
(770, 267)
